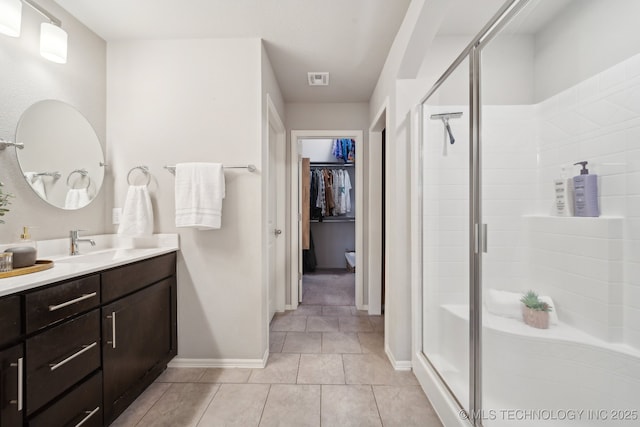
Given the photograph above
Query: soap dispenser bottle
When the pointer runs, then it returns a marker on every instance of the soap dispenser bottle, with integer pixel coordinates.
(25, 238)
(563, 201)
(585, 190)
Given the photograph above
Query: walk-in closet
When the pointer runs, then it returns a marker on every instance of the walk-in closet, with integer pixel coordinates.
(328, 178)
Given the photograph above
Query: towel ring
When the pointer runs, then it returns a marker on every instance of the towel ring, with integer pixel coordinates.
(82, 172)
(144, 169)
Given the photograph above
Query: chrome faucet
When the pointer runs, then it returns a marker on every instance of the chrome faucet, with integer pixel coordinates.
(75, 239)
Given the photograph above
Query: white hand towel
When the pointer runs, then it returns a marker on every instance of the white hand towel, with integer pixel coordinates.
(200, 189)
(36, 183)
(77, 198)
(137, 214)
(504, 303)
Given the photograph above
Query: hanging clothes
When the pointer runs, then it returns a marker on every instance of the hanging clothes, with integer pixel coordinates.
(337, 149)
(346, 194)
(330, 193)
(309, 260)
(344, 149)
(321, 199)
(328, 185)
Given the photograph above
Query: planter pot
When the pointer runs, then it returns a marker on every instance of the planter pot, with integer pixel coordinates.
(535, 318)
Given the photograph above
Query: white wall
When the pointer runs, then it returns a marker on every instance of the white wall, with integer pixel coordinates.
(584, 39)
(28, 78)
(507, 69)
(398, 237)
(175, 101)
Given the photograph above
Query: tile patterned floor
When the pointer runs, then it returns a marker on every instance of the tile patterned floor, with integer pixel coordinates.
(327, 367)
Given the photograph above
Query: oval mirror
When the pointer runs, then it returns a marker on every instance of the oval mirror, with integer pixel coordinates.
(62, 158)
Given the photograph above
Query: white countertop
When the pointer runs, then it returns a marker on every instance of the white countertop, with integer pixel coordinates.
(110, 251)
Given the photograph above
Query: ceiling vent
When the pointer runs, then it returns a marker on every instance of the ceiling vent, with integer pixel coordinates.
(318, 79)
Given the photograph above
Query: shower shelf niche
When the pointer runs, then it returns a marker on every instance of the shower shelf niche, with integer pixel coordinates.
(579, 263)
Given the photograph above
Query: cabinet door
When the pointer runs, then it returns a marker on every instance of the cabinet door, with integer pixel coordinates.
(11, 382)
(10, 326)
(137, 336)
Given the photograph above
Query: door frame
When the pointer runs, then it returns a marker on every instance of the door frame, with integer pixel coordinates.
(375, 251)
(295, 214)
(274, 120)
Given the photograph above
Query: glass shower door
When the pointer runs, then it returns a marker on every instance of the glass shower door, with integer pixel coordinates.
(554, 94)
(445, 230)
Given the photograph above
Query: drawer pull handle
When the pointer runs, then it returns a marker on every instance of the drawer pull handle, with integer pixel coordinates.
(89, 415)
(113, 329)
(18, 402)
(73, 301)
(85, 348)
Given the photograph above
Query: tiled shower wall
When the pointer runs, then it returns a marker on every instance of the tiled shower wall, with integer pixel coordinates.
(598, 120)
(591, 267)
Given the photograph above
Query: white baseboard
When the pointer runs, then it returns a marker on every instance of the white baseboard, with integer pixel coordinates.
(398, 365)
(180, 362)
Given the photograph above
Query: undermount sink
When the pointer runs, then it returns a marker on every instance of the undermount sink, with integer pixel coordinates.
(100, 256)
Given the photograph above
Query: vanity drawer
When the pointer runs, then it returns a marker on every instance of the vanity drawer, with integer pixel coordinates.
(60, 357)
(10, 325)
(59, 302)
(129, 278)
(81, 406)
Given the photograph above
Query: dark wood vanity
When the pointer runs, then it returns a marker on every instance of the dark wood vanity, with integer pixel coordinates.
(80, 351)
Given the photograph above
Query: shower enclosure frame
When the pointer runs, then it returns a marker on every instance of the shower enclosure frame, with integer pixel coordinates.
(477, 230)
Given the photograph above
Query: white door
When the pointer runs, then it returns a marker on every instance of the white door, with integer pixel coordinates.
(300, 259)
(274, 232)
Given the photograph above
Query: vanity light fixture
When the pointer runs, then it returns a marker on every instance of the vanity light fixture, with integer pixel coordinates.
(53, 43)
(10, 17)
(53, 39)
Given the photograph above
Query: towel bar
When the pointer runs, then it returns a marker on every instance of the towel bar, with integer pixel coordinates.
(251, 168)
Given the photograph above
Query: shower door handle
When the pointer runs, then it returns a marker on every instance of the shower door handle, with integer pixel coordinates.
(483, 238)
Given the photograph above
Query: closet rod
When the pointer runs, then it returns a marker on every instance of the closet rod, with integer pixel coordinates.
(325, 165)
(334, 220)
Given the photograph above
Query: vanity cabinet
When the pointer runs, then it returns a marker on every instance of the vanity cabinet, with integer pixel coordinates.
(11, 362)
(78, 352)
(137, 344)
(139, 329)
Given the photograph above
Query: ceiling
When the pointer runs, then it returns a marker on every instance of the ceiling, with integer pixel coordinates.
(348, 38)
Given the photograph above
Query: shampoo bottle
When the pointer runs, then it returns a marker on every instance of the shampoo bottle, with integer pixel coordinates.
(563, 201)
(585, 189)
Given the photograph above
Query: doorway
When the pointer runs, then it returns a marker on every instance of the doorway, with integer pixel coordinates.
(296, 196)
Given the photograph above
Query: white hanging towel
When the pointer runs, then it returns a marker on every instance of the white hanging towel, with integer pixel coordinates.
(200, 189)
(77, 198)
(36, 183)
(137, 214)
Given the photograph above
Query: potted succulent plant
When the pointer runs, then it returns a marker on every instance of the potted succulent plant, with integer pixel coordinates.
(4, 201)
(534, 311)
